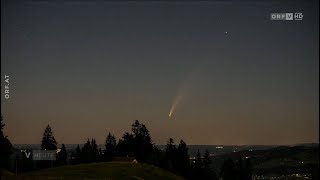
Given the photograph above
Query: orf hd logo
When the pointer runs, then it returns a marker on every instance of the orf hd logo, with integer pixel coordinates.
(298, 16)
(286, 16)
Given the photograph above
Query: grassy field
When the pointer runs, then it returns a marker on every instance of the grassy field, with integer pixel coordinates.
(101, 171)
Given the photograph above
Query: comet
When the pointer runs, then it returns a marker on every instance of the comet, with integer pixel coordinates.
(185, 88)
(181, 93)
(175, 102)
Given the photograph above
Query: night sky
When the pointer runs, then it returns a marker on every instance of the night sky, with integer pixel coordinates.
(92, 68)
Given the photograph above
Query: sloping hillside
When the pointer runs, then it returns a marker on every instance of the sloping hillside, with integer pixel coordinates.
(105, 170)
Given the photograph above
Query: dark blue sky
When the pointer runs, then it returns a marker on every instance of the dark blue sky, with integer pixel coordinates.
(88, 68)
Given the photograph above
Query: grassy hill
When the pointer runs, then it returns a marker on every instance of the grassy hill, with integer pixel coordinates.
(104, 170)
(4, 172)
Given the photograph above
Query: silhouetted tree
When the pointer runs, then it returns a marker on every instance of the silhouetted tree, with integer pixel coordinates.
(198, 161)
(315, 172)
(5, 147)
(110, 146)
(244, 169)
(206, 160)
(171, 155)
(76, 155)
(248, 169)
(158, 158)
(125, 146)
(62, 155)
(101, 155)
(182, 156)
(85, 152)
(197, 167)
(78, 152)
(143, 146)
(95, 151)
(208, 172)
(228, 171)
(48, 141)
(89, 152)
(137, 144)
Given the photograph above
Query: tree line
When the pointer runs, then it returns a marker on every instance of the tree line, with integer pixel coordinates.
(137, 144)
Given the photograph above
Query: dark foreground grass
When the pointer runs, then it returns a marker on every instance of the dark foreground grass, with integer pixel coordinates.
(99, 171)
